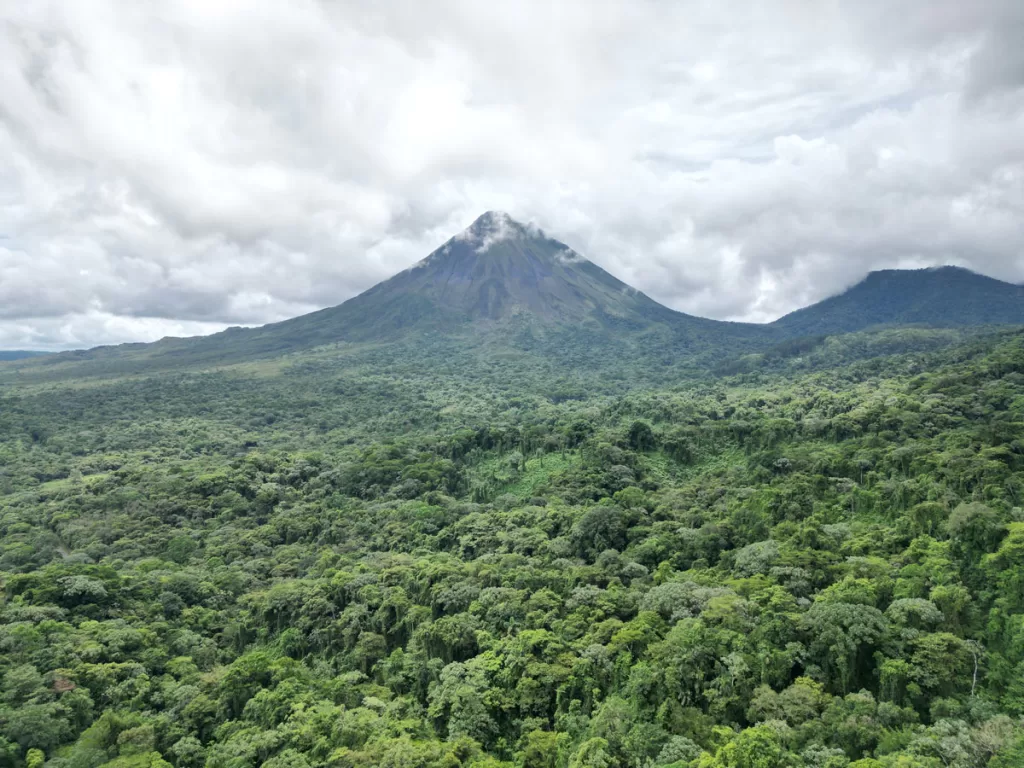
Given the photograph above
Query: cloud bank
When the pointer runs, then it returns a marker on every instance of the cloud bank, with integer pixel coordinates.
(172, 169)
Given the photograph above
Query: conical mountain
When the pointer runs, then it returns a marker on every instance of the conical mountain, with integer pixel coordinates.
(498, 268)
(495, 270)
(496, 273)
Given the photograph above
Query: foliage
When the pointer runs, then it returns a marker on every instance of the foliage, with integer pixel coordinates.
(346, 558)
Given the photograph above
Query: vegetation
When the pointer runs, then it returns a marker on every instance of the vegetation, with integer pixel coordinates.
(453, 554)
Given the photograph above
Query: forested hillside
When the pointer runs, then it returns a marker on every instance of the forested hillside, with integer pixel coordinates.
(814, 559)
(941, 297)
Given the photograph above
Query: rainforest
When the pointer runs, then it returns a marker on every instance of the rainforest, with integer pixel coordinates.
(816, 561)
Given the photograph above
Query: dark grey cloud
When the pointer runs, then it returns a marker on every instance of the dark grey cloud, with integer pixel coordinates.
(173, 169)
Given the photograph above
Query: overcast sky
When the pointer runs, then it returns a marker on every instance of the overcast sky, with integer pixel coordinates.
(173, 168)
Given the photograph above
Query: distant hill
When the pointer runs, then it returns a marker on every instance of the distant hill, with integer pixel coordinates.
(943, 297)
(19, 354)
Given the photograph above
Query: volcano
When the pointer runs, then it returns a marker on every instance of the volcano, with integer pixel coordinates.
(496, 275)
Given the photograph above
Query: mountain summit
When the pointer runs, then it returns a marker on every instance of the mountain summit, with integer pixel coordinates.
(498, 268)
(496, 271)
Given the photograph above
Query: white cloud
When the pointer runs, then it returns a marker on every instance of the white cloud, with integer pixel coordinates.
(569, 256)
(179, 168)
(491, 228)
(94, 328)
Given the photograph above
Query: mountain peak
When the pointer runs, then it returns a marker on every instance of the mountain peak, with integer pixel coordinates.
(498, 268)
(495, 227)
(489, 219)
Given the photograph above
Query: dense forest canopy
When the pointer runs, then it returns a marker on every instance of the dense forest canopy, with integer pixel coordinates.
(812, 558)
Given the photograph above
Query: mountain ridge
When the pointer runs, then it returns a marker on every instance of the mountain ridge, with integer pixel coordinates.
(942, 297)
